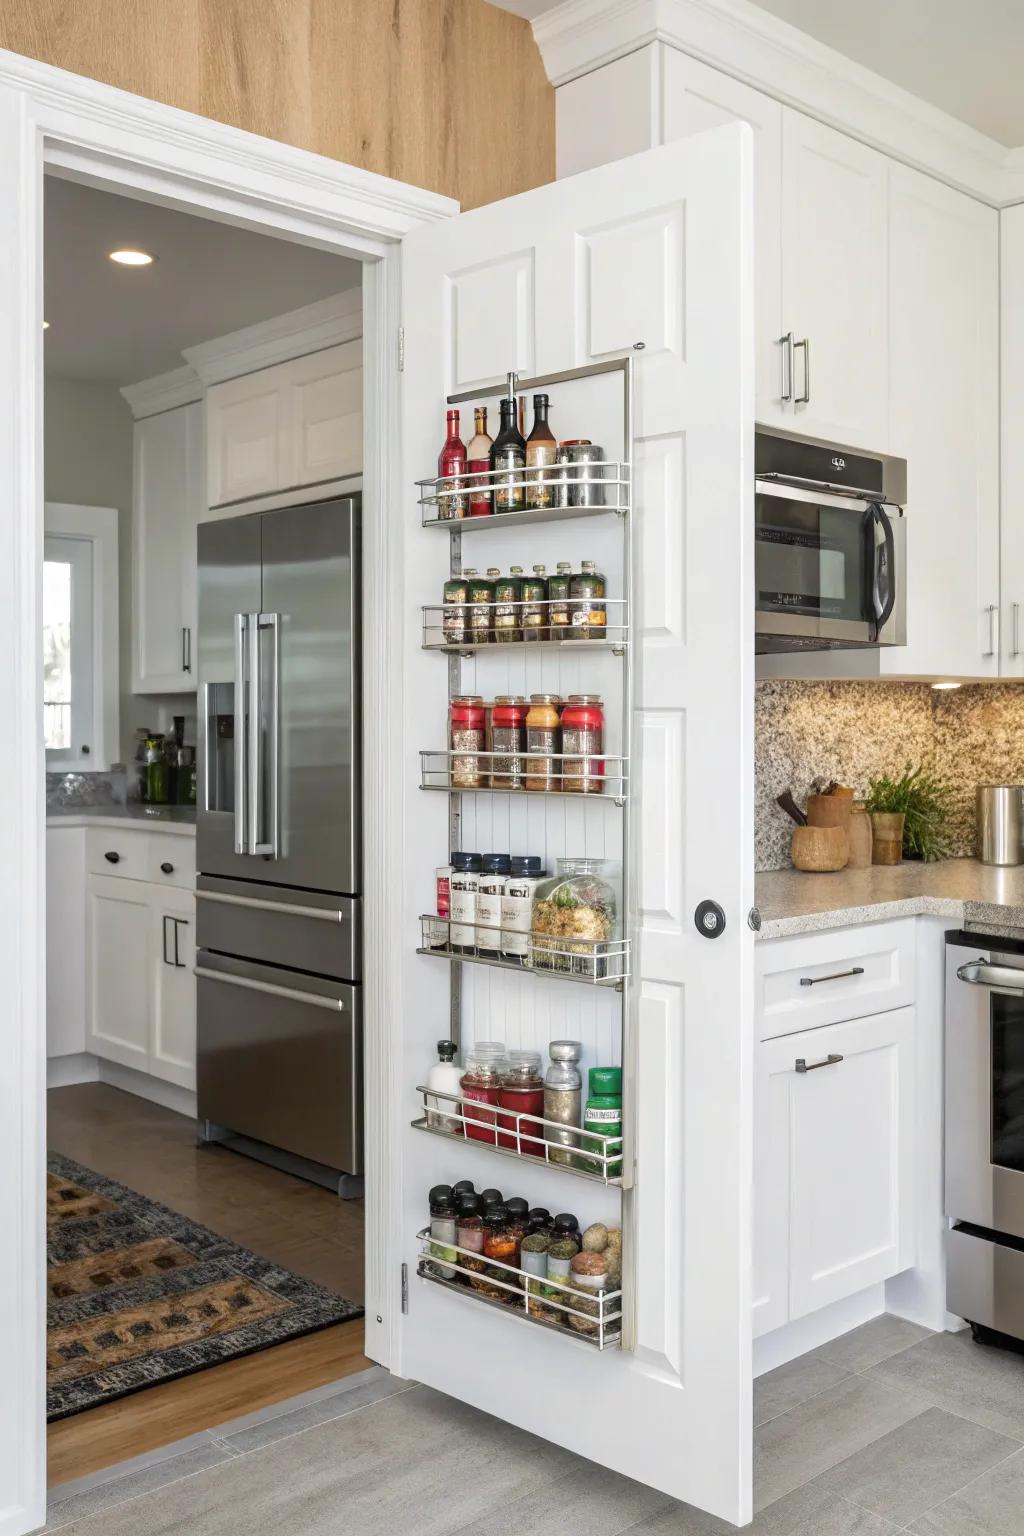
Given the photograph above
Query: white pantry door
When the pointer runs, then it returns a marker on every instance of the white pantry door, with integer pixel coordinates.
(654, 250)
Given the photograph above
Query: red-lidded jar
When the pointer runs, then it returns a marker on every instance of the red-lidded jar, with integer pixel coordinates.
(486, 1064)
(467, 723)
(583, 732)
(508, 737)
(522, 1089)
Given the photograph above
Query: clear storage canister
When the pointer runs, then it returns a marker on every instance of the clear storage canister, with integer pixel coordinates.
(466, 739)
(486, 1064)
(542, 740)
(583, 732)
(508, 741)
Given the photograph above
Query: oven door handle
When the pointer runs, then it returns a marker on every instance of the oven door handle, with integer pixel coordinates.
(999, 978)
(881, 593)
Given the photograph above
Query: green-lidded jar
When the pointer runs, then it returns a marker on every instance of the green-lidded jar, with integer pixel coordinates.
(603, 1111)
(508, 591)
(559, 623)
(480, 591)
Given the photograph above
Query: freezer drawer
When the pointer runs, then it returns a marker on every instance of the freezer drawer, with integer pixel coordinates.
(279, 1058)
(302, 930)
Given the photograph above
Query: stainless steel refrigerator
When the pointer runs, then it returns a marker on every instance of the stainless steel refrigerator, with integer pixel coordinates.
(277, 845)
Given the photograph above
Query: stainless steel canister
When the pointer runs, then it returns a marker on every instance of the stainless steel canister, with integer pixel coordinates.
(1000, 823)
(578, 461)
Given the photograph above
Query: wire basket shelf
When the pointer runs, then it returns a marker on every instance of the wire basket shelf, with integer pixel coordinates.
(461, 629)
(514, 1133)
(514, 773)
(550, 494)
(563, 958)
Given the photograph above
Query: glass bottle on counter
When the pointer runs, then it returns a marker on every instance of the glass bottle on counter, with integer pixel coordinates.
(495, 869)
(563, 1099)
(445, 1077)
(533, 615)
(517, 905)
(522, 1090)
(463, 884)
(466, 740)
(541, 452)
(508, 737)
(559, 625)
(478, 463)
(442, 1229)
(508, 457)
(542, 739)
(451, 472)
(455, 613)
(588, 613)
(481, 605)
(583, 732)
(157, 774)
(508, 593)
(481, 1082)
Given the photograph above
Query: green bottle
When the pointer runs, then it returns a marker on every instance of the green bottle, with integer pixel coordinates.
(603, 1111)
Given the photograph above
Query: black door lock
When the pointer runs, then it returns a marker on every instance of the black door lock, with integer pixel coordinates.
(709, 919)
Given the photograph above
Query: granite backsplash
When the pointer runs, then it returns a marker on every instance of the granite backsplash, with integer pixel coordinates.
(86, 789)
(853, 732)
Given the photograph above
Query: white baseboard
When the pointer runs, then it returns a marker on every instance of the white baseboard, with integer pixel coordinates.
(79, 1067)
(793, 1339)
(169, 1095)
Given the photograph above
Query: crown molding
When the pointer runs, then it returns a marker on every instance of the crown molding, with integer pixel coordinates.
(165, 392)
(749, 43)
(327, 323)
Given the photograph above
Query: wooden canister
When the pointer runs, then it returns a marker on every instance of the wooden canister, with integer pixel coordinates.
(819, 850)
(829, 810)
(887, 837)
(861, 837)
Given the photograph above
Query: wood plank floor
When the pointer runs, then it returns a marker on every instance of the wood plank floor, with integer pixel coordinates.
(296, 1224)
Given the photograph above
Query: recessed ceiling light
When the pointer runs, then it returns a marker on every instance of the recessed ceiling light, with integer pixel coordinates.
(944, 687)
(132, 258)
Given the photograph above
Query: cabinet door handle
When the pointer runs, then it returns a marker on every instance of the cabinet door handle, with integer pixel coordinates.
(166, 920)
(800, 1065)
(1015, 635)
(112, 858)
(186, 649)
(812, 981)
(179, 922)
(804, 399)
(992, 609)
(168, 869)
(786, 343)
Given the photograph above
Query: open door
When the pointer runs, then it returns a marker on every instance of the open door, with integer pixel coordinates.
(649, 259)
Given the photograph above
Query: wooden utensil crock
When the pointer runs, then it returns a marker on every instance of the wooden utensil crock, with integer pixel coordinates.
(820, 850)
(829, 810)
(887, 832)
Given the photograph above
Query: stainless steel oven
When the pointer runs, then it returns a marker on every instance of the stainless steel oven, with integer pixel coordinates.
(829, 545)
(984, 1138)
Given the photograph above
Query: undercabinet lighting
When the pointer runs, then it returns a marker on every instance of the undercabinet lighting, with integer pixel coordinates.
(944, 687)
(131, 258)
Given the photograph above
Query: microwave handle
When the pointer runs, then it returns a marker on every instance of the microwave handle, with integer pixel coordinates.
(881, 583)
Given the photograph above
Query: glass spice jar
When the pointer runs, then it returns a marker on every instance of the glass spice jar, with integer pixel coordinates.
(495, 869)
(481, 605)
(501, 1242)
(508, 741)
(534, 611)
(588, 614)
(563, 1099)
(466, 738)
(517, 905)
(542, 739)
(559, 626)
(533, 1260)
(463, 884)
(522, 1090)
(455, 613)
(508, 592)
(574, 918)
(481, 1082)
(442, 1229)
(583, 732)
(469, 1230)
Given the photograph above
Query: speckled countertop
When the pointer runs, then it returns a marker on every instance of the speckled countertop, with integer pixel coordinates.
(168, 818)
(971, 894)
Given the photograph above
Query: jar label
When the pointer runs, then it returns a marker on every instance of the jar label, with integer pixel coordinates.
(603, 1117)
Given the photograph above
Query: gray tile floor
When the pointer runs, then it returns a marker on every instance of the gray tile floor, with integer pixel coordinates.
(887, 1429)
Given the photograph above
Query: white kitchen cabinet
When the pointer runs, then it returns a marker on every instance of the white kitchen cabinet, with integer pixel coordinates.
(168, 497)
(1011, 598)
(65, 940)
(299, 423)
(172, 1054)
(834, 1167)
(834, 288)
(119, 970)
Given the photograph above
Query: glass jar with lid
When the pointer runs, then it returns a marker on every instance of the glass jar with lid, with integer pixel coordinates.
(542, 740)
(486, 1064)
(522, 1090)
(467, 721)
(583, 733)
(558, 602)
(563, 1099)
(508, 592)
(588, 613)
(508, 738)
(575, 915)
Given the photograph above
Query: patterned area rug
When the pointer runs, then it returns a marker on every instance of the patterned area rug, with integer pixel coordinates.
(139, 1295)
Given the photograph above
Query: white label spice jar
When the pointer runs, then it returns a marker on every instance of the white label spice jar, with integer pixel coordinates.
(517, 905)
(465, 879)
(495, 869)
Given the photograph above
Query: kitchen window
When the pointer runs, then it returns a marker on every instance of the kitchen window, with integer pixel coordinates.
(79, 637)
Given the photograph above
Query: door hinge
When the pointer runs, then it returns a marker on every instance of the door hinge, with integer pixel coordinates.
(405, 1289)
(401, 349)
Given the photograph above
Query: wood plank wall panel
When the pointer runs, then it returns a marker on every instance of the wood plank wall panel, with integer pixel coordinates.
(446, 94)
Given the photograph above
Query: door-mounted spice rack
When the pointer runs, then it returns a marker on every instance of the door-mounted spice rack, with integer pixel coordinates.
(603, 963)
(594, 1319)
(591, 490)
(516, 1133)
(473, 629)
(500, 773)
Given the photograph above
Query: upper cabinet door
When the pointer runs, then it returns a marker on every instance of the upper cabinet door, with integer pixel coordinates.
(649, 257)
(1012, 427)
(944, 414)
(695, 98)
(834, 289)
(325, 410)
(248, 447)
(168, 498)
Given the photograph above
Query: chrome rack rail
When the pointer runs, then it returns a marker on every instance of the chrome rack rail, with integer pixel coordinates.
(510, 773)
(461, 629)
(561, 957)
(560, 491)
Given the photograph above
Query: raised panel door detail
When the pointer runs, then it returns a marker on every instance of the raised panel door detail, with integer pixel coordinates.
(647, 310)
(118, 948)
(247, 438)
(172, 937)
(167, 501)
(326, 392)
(771, 1193)
(1011, 308)
(834, 283)
(491, 320)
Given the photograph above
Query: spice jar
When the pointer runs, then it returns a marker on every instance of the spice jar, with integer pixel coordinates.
(563, 1099)
(533, 613)
(466, 737)
(588, 614)
(508, 741)
(469, 1230)
(518, 1208)
(539, 1219)
(442, 1229)
(558, 602)
(522, 1090)
(439, 932)
(481, 1082)
(478, 1269)
(501, 1242)
(517, 905)
(565, 1225)
(463, 885)
(455, 614)
(481, 605)
(574, 918)
(603, 1112)
(561, 1253)
(583, 732)
(588, 1273)
(542, 739)
(508, 593)
(580, 473)
(533, 1260)
(491, 1197)
(495, 869)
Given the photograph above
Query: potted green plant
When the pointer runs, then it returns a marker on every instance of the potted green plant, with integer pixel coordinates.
(908, 816)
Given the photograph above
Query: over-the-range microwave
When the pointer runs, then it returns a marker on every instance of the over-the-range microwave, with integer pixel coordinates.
(829, 545)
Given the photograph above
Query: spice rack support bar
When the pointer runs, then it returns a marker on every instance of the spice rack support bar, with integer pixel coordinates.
(485, 1125)
(599, 962)
(475, 772)
(599, 1325)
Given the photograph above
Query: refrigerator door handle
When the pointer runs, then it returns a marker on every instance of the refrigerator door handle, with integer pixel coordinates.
(271, 847)
(253, 738)
(241, 787)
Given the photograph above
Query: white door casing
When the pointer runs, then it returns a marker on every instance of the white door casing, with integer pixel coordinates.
(657, 249)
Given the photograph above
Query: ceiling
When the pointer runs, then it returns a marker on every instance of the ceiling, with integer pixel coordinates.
(963, 56)
(123, 324)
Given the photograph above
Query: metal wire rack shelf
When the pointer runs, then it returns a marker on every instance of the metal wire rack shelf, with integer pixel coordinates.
(602, 963)
(462, 629)
(510, 773)
(513, 1133)
(565, 491)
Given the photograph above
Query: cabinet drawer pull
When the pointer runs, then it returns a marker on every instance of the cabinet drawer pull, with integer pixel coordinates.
(168, 869)
(786, 343)
(812, 981)
(112, 858)
(805, 398)
(800, 1065)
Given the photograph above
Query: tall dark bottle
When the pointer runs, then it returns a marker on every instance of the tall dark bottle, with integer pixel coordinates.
(508, 457)
(541, 450)
(451, 472)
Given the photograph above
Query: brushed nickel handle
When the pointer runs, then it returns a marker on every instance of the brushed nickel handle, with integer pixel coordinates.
(831, 1060)
(812, 981)
(326, 914)
(804, 399)
(992, 609)
(1015, 639)
(1001, 978)
(786, 343)
(335, 1004)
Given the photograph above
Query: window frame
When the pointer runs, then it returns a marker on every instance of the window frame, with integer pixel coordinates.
(97, 526)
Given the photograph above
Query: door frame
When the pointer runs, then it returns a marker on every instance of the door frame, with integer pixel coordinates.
(104, 137)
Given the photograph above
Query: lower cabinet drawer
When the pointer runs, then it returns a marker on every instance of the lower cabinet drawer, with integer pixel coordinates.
(123, 854)
(171, 860)
(822, 978)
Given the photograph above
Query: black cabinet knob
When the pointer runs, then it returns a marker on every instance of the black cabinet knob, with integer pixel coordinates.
(168, 869)
(112, 858)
